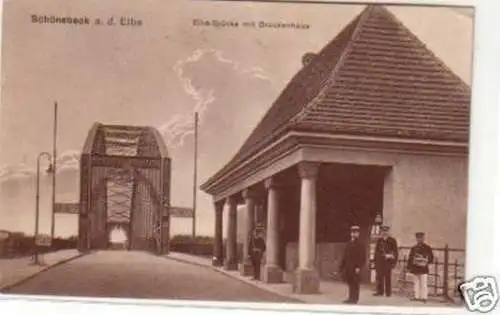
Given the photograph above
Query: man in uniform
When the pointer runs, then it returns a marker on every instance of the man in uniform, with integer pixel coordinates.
(354, 259)
(157, 237)
(257, 248)
(418, 264)
(386, 257)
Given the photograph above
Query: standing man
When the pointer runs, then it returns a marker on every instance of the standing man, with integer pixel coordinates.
(386, 257)
(257, 248)
(157, 237)
(354, 259)
(418, 264)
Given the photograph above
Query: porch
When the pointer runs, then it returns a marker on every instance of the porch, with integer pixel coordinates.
(306, 211)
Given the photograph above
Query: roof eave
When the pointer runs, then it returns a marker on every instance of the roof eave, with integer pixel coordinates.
(302, 139)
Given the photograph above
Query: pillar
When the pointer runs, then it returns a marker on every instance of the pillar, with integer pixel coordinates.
(218, 246)
(231, 262)
(388, 203)
(306, 280)
(245, 267)
(272, 270)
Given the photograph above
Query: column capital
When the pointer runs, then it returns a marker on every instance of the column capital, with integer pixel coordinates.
(219, 206)
(232, 201)
(270, 182)
(308, 169)
(249, 193)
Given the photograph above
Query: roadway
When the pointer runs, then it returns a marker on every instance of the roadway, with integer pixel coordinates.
(124, 274)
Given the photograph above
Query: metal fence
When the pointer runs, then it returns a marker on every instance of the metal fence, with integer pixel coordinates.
(445, 273)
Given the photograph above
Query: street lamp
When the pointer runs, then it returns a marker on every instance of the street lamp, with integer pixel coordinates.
(195, 172)
(50, 170)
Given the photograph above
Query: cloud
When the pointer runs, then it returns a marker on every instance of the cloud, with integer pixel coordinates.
(15, 172)
(180, 126)
(68, 160)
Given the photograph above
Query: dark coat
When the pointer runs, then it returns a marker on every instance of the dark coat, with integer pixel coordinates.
(257, 246)
(420, 250)
(383, 247)
(354, 257)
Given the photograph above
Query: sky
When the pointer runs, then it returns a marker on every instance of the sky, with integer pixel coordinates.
(158, 74)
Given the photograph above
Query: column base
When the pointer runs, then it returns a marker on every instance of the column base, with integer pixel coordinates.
(272, 274)
(246, 269)
(230, 265)
(306, 281)
(84, 250)
(216, 262)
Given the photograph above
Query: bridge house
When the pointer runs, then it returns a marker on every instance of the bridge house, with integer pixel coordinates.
(373, 123)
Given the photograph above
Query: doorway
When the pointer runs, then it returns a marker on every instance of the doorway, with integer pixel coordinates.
(347, 194)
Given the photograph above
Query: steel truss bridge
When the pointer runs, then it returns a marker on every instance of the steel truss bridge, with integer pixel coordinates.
(124, 183)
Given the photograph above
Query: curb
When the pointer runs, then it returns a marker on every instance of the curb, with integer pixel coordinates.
(6, 288)
(236, 278)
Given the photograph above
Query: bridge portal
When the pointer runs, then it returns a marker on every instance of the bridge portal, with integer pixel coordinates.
(124, 183)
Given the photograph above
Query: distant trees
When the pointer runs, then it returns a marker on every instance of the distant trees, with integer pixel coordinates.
(18, 244)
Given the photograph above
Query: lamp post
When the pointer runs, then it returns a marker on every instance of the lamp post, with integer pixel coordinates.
(53, 168)
(37, 209)
(195, 172)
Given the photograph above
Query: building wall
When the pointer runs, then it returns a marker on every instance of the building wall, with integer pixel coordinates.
(430, 195)
(241, 223)
(328, 259)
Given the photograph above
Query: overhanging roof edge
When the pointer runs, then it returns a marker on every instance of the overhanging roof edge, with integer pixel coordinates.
(210, 185)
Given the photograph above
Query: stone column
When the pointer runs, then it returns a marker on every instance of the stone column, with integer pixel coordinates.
(272, 270)
(231, 262)
(218, 246)
(306, 280)
(388, 208)
(246, 265)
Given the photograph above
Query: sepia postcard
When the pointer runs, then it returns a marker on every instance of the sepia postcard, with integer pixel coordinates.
(235, 151)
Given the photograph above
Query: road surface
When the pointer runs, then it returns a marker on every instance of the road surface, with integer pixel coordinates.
(127, 274)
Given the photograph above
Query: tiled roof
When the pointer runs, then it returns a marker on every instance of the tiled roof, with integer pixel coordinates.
(375, 78)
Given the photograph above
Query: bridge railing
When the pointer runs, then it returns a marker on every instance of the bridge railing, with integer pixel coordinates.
(199, 246)
(445, 273)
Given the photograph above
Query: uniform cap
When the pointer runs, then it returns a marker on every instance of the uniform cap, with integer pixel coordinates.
(419, 234)
(355, 228)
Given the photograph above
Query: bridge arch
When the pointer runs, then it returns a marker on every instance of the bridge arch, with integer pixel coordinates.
(124, 182)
